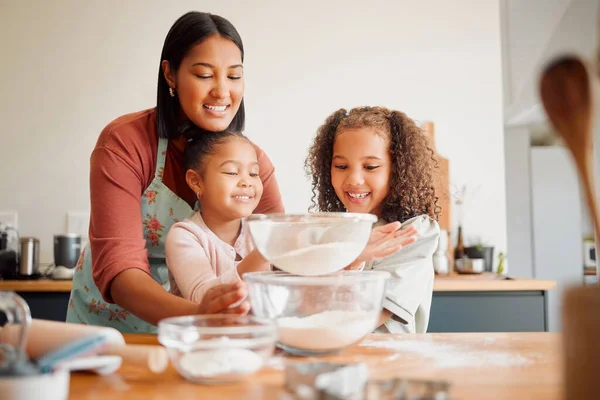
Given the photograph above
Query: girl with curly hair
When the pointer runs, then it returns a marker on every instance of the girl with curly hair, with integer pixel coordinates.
(375, 160)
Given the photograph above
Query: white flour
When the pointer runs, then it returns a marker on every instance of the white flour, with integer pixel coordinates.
(221, 363)
(326, 330)
(450, 356)
(317, 259)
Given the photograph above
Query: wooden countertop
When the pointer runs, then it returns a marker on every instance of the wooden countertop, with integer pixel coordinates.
(478, 366)
(488, 282)
(450, 283)
(443, 283)
(36, 285)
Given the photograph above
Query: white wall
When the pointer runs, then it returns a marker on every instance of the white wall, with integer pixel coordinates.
(69, 67)
(536, 31)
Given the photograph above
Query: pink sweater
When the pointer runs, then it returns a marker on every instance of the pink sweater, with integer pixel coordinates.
(198, 260)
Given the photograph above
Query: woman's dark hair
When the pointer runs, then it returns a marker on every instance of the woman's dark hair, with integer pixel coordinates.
(411, 185)
(200, 146)
(189, 30)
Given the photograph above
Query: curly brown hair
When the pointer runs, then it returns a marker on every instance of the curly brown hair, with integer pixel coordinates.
(411, 186)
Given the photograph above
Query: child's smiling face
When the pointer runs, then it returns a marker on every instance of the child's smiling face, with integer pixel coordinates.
(360, 169)
(230, 184)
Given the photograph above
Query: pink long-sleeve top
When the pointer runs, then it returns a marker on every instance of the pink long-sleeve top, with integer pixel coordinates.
(198, 260)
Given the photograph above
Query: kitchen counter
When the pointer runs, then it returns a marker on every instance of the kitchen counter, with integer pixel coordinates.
(461, 303)
(488, 282)
(491, 366)
(47, 298)
(443, 283)
(487, 303)
(37, 285)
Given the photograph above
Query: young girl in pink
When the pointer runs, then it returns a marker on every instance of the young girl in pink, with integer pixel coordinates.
(375, 160)
(214, 246)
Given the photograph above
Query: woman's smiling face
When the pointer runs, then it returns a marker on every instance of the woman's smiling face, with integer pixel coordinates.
(210, 83)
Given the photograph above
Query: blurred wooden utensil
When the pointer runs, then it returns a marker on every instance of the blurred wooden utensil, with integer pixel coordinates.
(567, 97)
(566, 93)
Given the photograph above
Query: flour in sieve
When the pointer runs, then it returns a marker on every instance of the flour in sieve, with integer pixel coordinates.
(326, 330)
(318, 259)
(221, 363)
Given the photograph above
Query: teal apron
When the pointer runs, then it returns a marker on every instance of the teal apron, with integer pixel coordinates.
(161, 208)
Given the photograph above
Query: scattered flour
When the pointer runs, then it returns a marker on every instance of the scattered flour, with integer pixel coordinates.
(276, 362)
(317, 259)
(489, 340)
(451, 356)
(325, 330)
(221, 363)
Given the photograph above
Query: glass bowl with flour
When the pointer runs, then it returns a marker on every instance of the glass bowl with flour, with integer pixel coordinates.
(318, 315)
(311, 244)
(213, 349)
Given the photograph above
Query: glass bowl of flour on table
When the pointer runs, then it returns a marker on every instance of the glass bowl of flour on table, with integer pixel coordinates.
(318, 315)
(311, 244)
(213, 349)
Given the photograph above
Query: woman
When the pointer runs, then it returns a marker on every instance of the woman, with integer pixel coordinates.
(138, 188)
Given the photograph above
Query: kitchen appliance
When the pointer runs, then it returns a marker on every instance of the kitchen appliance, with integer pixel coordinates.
(589, 254)
(3, 240)
(469, 266)
(29, 257)
(67, 248)
(9, 252)
(8, 264)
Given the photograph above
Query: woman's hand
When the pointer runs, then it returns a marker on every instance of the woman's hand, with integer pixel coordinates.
(384, 241)
(229, 298)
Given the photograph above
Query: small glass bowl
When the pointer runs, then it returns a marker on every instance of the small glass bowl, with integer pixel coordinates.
(213, 349)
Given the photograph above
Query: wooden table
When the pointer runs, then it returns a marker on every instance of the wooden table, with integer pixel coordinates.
(479, 366)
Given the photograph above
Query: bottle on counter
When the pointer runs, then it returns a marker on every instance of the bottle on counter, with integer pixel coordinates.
(501, 270)
(440, 257)
(459, 250)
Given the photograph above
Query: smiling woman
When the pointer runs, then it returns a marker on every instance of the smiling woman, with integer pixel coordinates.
(138, 185)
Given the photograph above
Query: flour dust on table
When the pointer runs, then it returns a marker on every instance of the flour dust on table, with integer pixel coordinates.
(449, 355)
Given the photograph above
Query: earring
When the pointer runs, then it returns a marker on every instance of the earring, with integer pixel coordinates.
(171, 92)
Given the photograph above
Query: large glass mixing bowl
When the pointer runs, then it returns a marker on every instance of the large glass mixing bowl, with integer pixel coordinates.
(318, 315)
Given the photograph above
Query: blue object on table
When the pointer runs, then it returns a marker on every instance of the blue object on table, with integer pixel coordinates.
(69, 351)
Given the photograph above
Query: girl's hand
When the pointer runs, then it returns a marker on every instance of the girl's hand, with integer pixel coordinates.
(227, 298)
(384, 241)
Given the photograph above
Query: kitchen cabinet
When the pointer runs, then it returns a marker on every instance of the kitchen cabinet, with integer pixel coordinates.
(487, 303)
(47, 299)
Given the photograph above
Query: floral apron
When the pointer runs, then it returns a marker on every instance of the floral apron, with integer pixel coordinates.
(161, 208)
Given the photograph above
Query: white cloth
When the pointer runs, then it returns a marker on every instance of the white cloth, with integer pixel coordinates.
(410, 288)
